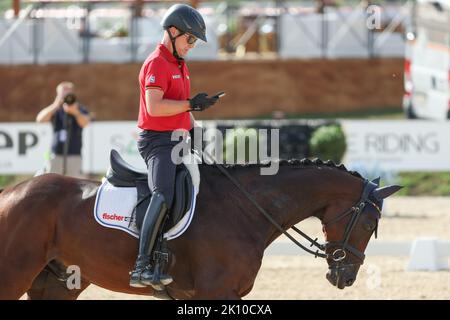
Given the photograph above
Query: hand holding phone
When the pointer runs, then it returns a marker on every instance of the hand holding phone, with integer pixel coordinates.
(202, 102)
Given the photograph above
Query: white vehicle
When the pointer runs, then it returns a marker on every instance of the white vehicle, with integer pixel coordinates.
(427, 61)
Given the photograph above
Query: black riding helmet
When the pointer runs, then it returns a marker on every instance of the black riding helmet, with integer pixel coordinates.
(186, 19)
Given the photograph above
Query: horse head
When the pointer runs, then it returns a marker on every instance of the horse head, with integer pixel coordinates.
(347, 234)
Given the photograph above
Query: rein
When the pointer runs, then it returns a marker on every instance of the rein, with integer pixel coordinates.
(337, 255)
(268, 216)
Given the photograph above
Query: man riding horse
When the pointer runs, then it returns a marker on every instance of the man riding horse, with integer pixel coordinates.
(164, 108)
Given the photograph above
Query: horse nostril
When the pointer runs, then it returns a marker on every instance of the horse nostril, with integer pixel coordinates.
(349, 282)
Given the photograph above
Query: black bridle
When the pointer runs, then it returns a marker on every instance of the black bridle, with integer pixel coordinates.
(343, 246)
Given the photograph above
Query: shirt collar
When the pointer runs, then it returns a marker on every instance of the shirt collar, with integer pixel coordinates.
(167, 54)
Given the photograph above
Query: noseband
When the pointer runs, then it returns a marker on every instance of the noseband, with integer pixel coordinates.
(343, 246)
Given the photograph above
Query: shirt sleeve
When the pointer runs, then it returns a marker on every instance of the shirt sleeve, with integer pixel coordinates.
(156, 75)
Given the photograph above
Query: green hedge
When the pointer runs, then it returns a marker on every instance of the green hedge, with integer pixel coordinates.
(328, 143)
(424, 183)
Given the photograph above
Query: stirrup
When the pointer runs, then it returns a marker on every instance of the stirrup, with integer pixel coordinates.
(161, 256)
(156, 279)
(159, 280)
(162, 259)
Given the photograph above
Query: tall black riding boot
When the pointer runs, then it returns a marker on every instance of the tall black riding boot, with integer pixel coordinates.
(142, 274)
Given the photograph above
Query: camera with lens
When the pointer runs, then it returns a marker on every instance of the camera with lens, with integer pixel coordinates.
(70, 98)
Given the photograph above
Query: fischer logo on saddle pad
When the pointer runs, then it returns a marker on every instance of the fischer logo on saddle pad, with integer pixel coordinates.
(107, 216)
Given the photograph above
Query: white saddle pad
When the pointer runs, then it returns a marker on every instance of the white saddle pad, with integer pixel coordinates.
(114, 207)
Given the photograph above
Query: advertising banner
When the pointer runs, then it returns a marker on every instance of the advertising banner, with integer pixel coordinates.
(24, 147)
(397, 145)
(372, 145)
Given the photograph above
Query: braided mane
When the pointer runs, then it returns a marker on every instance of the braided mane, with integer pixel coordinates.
(299, 162)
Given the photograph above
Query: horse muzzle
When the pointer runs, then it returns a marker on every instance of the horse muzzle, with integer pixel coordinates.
(343, 275)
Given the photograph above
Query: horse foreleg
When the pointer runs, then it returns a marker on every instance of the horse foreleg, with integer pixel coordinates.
(14, 283)
(24, 247)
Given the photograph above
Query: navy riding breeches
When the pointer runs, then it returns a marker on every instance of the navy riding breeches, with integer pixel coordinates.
(156, 149)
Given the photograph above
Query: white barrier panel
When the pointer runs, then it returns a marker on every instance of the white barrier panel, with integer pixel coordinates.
(428, 253)
(100, 137)
(398, 145)
(23, 147)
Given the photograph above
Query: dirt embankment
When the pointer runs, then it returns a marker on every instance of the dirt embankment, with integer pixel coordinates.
(254, 88)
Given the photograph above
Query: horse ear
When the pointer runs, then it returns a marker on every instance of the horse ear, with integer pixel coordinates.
(376, 181)
(383, 193)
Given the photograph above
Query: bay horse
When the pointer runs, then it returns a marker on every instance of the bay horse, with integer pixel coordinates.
(49, 219)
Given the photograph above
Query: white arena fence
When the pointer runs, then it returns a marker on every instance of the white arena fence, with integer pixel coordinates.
(98, 32)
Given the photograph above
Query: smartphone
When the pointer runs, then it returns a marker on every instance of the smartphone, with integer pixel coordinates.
(219, 95)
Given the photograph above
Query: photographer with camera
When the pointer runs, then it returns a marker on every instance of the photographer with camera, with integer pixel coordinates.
(68, 118)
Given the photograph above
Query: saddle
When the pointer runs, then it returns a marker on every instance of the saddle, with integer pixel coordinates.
(122, 174)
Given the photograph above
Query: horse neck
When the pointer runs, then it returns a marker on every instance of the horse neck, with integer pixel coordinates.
(294, 194)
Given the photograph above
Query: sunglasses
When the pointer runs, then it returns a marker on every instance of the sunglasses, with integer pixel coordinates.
(190, 38)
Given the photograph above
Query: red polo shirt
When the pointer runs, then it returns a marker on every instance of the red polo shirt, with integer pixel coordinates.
(161, 70)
